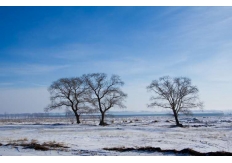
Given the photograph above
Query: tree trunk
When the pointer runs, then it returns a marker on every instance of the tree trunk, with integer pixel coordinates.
(176, 118)
(77, 117)
(102, 123)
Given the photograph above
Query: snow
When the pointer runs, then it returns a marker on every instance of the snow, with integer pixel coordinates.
(203, 134)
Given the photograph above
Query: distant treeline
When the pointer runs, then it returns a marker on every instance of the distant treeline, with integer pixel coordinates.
(71, 115)
(32, 115)
(48, 115)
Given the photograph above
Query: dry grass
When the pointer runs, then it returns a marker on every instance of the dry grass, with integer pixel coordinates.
(21, 140)
(33, 144)
(186, 151)
(54, 144)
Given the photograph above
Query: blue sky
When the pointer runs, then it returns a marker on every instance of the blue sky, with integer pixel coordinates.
(41, 44)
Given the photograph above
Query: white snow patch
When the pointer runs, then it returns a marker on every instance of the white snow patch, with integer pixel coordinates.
(203, 134)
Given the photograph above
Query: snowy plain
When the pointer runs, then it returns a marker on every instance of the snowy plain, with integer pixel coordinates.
(203, 134)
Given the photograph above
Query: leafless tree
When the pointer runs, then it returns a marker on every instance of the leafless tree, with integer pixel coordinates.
(105, 93)
(176, 94)
(70, 93)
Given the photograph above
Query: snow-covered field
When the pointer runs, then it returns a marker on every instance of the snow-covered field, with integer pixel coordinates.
(203, 134)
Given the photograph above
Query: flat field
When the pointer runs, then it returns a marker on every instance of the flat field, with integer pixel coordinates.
(58, 136)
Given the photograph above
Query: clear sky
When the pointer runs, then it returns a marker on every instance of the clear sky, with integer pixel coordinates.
(39, 45)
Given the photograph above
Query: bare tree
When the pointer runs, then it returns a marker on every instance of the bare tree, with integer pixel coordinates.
(106, 93)
(176, 94)
(70, 93)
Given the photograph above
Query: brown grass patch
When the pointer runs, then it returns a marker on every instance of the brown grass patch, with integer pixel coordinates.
(187, 151)
(51, 145)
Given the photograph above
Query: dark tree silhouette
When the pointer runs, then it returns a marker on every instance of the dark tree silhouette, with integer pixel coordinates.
(105, 93)
(68, 92)
(176, 94)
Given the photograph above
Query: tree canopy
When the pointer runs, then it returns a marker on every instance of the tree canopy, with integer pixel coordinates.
(177, 94)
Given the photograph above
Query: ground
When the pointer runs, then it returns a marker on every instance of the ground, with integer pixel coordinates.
(202, 134)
